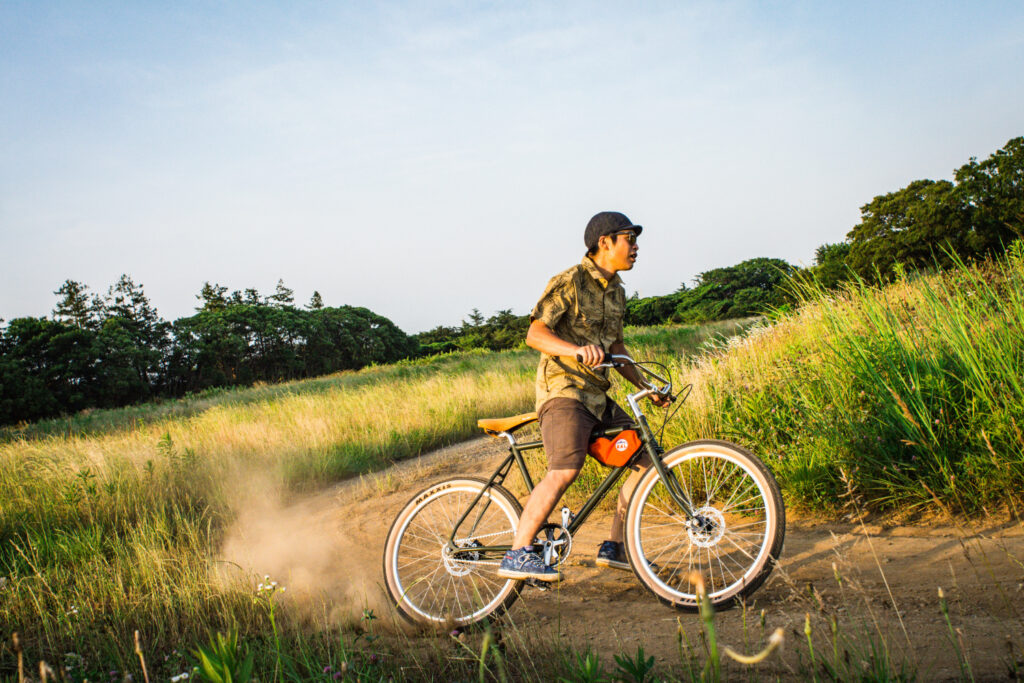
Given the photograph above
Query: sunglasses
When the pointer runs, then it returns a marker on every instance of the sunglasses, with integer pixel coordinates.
(628, 234)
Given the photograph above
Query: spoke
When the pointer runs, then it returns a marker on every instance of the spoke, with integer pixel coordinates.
(658, 509)
(735, 545)
(722, 566)
(704, 471)
(671, 545)
(716, 483)
(711, 573)
(738, 490)
(659, 526)
(413, 561)
(753, 497)
(435, 542)
(747, 510)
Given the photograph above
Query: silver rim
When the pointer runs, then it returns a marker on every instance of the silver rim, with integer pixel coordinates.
(433, 584)
(729, 550)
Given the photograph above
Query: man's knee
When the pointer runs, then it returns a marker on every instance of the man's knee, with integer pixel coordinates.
(562, 478)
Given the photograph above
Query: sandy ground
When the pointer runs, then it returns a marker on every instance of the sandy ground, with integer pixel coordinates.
(327, 548)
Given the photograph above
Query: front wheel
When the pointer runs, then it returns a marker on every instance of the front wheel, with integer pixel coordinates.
(433, 586)
(732, 543)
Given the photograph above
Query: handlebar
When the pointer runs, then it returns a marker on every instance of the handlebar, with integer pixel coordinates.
(620, 361)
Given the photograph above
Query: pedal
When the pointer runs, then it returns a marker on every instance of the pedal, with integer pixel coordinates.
(541, 585)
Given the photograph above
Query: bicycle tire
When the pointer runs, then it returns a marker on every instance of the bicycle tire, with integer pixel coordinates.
(734, 554)
(432, 589)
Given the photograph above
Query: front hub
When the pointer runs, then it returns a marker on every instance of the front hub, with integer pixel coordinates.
(707, 527)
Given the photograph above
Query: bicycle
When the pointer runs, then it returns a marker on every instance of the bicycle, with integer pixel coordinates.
(707, 506)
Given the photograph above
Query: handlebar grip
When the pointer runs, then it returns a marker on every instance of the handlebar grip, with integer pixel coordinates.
(607, 362)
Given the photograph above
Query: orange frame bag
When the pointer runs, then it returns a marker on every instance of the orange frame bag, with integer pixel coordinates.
(616, 451)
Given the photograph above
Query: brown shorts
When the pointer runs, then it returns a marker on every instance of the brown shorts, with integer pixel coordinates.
(565, 427)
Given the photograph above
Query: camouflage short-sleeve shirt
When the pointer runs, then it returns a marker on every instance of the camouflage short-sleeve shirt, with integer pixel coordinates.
(582, 308)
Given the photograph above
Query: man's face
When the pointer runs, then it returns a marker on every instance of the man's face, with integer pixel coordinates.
(621, 250)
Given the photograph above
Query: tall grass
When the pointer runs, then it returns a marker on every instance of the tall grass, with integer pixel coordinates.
(112, 521)
(907, 396)
(105, 532)
(899, 397)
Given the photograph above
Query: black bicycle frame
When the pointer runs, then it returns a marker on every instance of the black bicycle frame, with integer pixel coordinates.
(516, 449)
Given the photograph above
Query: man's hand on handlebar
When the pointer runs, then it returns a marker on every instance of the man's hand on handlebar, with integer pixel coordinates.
(591, 355)
(660, 400)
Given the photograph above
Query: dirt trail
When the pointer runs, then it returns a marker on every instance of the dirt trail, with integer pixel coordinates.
(328, 549)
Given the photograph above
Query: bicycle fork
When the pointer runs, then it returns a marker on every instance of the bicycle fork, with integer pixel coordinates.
(675, 491)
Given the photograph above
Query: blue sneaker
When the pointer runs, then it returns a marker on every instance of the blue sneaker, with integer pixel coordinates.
(612, 554)
(524, 563)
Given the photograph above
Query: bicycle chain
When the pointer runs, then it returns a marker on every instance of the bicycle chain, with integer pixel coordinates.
(473, 538)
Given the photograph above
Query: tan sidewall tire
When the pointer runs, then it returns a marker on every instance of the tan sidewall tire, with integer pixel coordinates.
(502, 600)
(771, 545)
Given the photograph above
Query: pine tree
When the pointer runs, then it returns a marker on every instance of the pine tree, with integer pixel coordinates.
(125, 299)
(213, 297)
(476, 319)
(73, 307)
(282, 296)
(316, 302)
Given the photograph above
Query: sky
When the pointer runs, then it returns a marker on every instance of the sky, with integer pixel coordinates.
(423, 159)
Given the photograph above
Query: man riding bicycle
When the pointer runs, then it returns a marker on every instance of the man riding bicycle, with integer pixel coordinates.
(577, 321)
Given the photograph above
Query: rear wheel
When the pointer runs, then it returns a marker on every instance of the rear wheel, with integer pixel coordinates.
(733, 542)
(430, 584)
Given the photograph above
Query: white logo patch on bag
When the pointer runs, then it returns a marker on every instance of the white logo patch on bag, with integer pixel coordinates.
(621, 445)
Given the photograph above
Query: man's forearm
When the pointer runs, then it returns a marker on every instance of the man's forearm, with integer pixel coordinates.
(540, 338)
(627, 371)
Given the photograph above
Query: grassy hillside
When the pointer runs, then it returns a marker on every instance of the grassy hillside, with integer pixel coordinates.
(899, 397)
(112, 520)
(896, 398)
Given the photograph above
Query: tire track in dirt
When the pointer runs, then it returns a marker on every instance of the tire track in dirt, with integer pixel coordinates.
(327, 547)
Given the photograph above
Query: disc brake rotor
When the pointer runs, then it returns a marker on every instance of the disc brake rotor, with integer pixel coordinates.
(707, 528)
(461, 565)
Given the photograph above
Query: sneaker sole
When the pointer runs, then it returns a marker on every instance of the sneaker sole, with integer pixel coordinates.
(512, 574)
(613, 564)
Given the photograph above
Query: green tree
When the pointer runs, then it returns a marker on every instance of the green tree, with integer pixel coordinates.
(912, 226)
(922, 223)
(316, 302)
(135, 339)
(282, 296)
(213, 297)
(993, 193)
(47, 368)
(830, 264)
(748, 288)
(74, 307)
(476, 319)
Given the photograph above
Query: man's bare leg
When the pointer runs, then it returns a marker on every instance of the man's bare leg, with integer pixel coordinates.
(541, 502)
(619, 519)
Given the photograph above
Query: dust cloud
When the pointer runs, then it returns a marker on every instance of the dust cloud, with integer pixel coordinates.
(326, 547)
(314, 547)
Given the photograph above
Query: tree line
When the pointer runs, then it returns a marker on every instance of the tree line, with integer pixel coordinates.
(112, 350)
(104, 351)
(919, 226)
